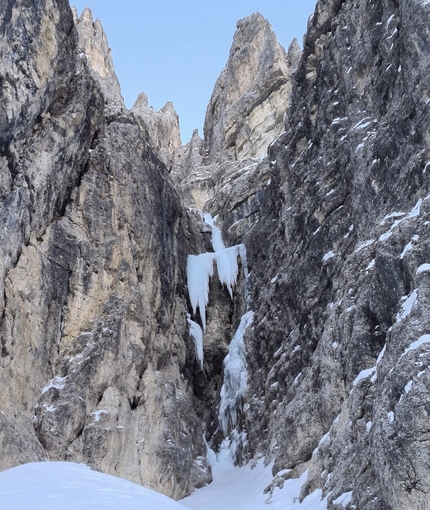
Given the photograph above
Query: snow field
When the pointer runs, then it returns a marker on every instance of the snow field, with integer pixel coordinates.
(68, 486)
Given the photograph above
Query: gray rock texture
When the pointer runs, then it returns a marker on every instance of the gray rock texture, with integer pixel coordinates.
(227, 172)
(339, 264)
(247, 107)
(94, 45)
(162, 126)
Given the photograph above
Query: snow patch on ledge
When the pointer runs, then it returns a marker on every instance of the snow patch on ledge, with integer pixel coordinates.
(407, 306)
(57, 383)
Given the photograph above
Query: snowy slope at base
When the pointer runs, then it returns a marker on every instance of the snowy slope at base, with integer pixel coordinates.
(68, 486)
(242, 488)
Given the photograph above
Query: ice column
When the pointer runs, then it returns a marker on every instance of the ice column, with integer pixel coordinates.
(200, 269)
(235, 376)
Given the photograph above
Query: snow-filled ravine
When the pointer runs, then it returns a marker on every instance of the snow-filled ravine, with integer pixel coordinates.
(242, 488)
(66, 486)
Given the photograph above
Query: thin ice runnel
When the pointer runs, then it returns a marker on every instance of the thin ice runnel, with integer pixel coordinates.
(235, 377)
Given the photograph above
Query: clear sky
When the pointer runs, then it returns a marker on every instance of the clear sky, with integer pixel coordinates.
(174, 50)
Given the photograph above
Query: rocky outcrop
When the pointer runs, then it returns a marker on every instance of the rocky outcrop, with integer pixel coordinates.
(162, 126)
(227, 172)
(247, 108)
(94, 45)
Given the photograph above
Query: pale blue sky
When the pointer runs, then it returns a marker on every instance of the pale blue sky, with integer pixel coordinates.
(174, 50)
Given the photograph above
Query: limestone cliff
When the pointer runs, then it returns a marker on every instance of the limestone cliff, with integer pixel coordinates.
(96, 361)
(247, 108)
(94, 45)
(227, 171)
(162, 125)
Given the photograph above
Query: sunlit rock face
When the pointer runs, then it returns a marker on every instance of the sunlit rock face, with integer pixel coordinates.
(226, 173)
(94, 45)
(97, 365)
(162, 126)
(248, 104)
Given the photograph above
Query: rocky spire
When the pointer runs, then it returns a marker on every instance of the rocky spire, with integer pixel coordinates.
(162, 126)
(247, 108)
(94, 44)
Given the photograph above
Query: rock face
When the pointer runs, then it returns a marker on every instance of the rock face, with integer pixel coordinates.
(94, 44)
(227, 172)
(247, 108)
(97, 362)
(339, 281)
(162, 125)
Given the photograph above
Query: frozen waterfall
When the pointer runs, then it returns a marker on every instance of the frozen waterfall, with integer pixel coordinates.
(200, 268)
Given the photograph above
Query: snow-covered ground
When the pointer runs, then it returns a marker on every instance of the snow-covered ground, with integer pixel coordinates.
(242, 488)
(68, 486)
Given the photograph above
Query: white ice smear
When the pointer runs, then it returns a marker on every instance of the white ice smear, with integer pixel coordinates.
(363, 245)
(407, 306)
(371, 265)
(97, 414)
(57, 383)
(197, 334)
(329, 255)
(408, 387)
(423, 268)
(343, 499)
(381, 355)
(424, 339)
(68, 486)
(407, 248)
(364, 374)
(235, 376)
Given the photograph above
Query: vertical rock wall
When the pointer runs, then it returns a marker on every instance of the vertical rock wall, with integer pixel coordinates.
(339, 276)
(96, 362)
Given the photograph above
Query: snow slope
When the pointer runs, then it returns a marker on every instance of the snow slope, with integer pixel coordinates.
(241, 488)
(68, 486)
